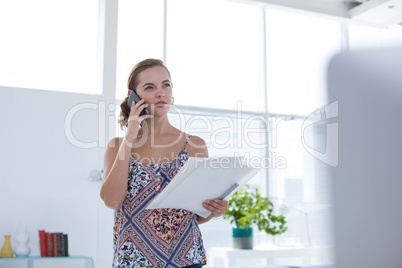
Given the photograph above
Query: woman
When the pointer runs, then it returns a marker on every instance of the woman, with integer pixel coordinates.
(139, 166)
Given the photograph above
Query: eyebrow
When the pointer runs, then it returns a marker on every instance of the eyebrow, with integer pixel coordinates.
(151, 84)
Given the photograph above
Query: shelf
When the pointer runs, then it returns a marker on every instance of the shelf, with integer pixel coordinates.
(32, 262)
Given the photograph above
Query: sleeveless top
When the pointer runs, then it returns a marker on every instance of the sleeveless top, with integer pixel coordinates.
(155, 237)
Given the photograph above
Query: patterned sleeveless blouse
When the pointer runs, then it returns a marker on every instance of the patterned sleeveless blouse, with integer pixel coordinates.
(155, 237)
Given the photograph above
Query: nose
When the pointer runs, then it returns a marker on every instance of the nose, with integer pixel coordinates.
(160, 92)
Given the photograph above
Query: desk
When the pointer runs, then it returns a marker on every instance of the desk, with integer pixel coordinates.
(228, 257)
(36, 262)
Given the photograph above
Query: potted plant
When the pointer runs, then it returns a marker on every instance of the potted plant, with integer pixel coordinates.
(247, 207)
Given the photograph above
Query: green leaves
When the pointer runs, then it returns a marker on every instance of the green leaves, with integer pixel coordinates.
(247, 207)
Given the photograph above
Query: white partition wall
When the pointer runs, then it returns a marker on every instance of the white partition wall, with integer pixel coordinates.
(50, 142)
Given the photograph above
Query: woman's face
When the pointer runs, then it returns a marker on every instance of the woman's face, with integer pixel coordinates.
(155, 88)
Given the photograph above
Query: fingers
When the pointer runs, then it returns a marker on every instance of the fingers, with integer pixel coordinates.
(138, 119)
(136, 111)
(138, 107)
(217, 207)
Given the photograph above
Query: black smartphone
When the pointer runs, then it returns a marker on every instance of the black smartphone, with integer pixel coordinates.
(134, 97)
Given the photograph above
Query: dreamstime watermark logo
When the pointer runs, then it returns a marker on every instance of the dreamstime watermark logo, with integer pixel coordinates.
(323, 115)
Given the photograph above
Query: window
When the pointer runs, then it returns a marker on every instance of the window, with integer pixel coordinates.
(213, 52)
(299, 48)
(140, 36)
(302, 183)
(49, 45)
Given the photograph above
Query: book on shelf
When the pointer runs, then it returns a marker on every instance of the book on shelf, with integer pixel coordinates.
(53, 244)
(42, 241)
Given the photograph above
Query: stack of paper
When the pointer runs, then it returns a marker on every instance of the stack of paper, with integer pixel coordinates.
(203, 179)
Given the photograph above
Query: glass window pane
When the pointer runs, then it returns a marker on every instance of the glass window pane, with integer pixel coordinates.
(302, 183)
(299, 48)
(363, 37)
(213, 52)
(50, 45)
(139, 36)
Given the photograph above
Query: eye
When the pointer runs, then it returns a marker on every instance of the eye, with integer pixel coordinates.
(148, 88)
(166, 85)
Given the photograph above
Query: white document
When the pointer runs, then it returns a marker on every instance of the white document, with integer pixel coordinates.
(203, 179)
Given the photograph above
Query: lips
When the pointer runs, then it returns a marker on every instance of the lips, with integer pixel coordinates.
(160, 103)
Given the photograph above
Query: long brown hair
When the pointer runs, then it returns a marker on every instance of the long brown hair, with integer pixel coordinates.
(132, 84)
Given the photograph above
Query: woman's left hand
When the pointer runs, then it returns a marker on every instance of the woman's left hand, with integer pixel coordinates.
(217, 206)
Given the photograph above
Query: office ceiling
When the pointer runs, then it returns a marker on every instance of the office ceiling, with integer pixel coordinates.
(378, 13)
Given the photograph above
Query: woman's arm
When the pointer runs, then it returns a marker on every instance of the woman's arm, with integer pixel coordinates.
(115, 172)
(198, 148)
(117, 160)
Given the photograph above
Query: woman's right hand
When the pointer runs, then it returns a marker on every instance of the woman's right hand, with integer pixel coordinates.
(134, 120)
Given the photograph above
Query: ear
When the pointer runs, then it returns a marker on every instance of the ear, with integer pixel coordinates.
(128, 93)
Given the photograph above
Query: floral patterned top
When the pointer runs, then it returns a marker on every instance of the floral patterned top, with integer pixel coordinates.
(155, 237)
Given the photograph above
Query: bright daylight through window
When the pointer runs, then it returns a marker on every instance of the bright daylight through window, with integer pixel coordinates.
(46, 49)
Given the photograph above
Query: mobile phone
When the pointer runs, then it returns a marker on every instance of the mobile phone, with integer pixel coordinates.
(134, 98)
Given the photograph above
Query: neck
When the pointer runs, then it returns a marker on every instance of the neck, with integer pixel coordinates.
(157, 126)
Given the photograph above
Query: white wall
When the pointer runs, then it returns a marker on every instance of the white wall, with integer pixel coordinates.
(44, 177)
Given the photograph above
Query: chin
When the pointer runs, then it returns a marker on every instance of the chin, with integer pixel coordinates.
(160, 113)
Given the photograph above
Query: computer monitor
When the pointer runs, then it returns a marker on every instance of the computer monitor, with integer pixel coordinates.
(367, 183)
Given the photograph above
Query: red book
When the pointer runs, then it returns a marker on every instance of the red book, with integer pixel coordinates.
(49, 245)
(42, 241)
(55, 239)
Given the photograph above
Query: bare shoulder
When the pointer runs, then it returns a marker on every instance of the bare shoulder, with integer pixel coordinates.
(197, 147)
